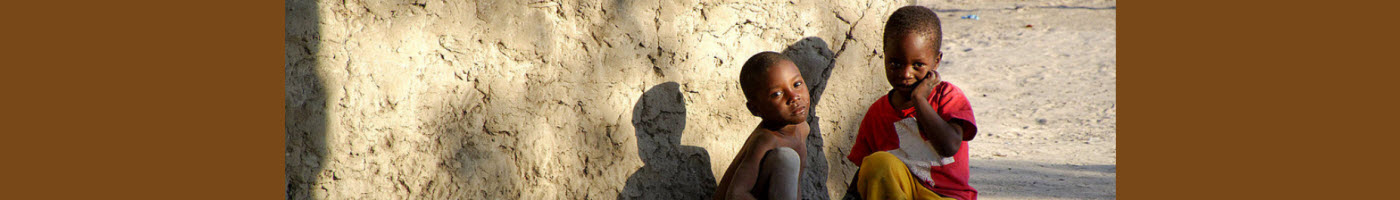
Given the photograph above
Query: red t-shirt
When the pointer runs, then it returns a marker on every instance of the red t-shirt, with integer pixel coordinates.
(877, 133)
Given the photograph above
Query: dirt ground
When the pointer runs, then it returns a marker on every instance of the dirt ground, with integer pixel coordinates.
(415, 99)
(1047, 97)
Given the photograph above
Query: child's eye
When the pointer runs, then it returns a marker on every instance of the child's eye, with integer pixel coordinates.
(799, 83)
(777, 94)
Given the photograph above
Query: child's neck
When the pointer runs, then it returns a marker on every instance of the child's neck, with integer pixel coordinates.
(779, 127)
(899, 100)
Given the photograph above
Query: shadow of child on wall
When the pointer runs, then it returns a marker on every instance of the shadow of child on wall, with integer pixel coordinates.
(670, 170)
(305, 103)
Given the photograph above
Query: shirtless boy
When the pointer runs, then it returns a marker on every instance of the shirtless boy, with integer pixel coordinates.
(769, 164)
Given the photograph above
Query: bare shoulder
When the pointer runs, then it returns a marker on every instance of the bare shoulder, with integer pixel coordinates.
(761, 140)
(796, 141)
(803, 130)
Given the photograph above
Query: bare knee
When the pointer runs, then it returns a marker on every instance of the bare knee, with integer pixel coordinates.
(783, 165)
(782, 159)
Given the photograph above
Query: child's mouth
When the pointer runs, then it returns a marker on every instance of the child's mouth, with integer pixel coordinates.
(800, 110)
(904, 87)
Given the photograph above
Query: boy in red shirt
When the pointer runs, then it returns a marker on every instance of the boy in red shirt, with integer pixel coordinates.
(912, 143)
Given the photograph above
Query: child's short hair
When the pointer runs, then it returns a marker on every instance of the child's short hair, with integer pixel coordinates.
(915, 20)
(752, 74)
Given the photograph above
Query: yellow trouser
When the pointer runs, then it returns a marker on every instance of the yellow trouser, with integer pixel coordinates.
(883, 176)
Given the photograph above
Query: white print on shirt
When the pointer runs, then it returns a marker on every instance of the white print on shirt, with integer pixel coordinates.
(916, 152)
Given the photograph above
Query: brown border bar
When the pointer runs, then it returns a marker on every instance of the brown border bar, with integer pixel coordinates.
(150, 100)
(1256, 100)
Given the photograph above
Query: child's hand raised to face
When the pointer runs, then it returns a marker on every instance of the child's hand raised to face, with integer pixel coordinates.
(925, 87)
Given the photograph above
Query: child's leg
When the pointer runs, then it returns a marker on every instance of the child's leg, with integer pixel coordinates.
(781, 167)
(883, 176)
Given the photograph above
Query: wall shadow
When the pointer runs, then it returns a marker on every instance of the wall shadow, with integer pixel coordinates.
(816, 61)
(670, 170)
(305, 100)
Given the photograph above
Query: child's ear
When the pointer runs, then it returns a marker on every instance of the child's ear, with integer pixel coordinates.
(937, 60)
(753, 110)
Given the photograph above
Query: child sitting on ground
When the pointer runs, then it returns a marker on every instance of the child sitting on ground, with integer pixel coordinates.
(769, 164)
(912, 143)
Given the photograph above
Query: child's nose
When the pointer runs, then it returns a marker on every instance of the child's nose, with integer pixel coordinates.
(908, 72)
(793, 95)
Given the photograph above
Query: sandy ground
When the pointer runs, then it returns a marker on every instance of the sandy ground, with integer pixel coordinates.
(419, 99)
(1047, 96)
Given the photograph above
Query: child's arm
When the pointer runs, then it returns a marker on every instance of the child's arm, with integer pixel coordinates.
(745, 175)
(945, 137)
(803, 130)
